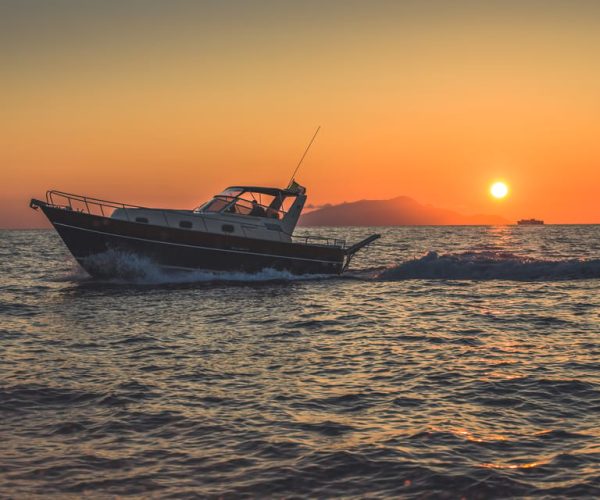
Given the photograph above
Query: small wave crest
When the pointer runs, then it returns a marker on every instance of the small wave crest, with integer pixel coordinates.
(120, 267)
(489, 265)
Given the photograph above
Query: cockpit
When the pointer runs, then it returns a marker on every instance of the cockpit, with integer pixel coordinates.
(270, 203)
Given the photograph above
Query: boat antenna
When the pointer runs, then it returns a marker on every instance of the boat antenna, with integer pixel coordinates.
(305, 151)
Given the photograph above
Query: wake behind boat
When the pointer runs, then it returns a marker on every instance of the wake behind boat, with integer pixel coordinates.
(244, 228)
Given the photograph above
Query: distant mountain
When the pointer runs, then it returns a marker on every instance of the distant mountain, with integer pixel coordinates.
(400, 211)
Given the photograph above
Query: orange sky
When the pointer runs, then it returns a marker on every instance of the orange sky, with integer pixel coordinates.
(166, 103)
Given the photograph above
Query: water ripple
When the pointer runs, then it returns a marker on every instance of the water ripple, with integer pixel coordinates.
(469, 373)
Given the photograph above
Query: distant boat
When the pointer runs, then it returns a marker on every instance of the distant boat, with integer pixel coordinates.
(245, 228)
(530, 222)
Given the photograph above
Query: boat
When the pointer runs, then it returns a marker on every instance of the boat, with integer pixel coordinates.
(530, 222)
(244, 228)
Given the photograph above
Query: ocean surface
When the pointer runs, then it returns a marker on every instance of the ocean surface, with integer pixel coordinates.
(451, 362)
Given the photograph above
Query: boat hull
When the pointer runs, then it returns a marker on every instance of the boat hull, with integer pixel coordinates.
(90, 237)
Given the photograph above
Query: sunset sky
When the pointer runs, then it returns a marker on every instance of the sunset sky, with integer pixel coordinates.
(167, 102)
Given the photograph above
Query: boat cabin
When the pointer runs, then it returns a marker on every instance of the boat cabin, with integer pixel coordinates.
(247, 211)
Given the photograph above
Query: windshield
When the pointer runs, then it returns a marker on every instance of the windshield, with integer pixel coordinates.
(247, 202)
(217, 204)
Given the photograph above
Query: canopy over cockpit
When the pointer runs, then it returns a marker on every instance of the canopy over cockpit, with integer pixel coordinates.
(290, 191)
(273, 203)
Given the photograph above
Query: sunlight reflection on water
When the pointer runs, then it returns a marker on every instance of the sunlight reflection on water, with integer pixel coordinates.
(360, 385)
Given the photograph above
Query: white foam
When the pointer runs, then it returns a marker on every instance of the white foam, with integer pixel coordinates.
(130, 268)
(490, 265)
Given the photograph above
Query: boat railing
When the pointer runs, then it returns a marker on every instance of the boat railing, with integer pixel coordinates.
(79, 202)
(96, 206)
(87, 204)
(319, 240)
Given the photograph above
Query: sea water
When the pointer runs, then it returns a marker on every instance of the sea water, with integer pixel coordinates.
(450, 362)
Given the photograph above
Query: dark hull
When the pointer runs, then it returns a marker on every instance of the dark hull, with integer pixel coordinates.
(89, 236)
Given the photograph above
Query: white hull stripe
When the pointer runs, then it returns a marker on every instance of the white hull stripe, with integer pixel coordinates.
(196, 246)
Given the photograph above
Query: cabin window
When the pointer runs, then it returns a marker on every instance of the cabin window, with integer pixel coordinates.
(228, 228)
(186, 224)
(143, 220)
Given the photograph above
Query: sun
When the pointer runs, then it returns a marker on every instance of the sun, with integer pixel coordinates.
(499, 190)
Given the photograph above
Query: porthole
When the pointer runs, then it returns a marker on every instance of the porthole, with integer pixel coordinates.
(143, 220)
(227, 228)
(186, 224)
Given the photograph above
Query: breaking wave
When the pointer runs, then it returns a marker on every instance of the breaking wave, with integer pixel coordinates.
(120, 267)
(491, 266)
